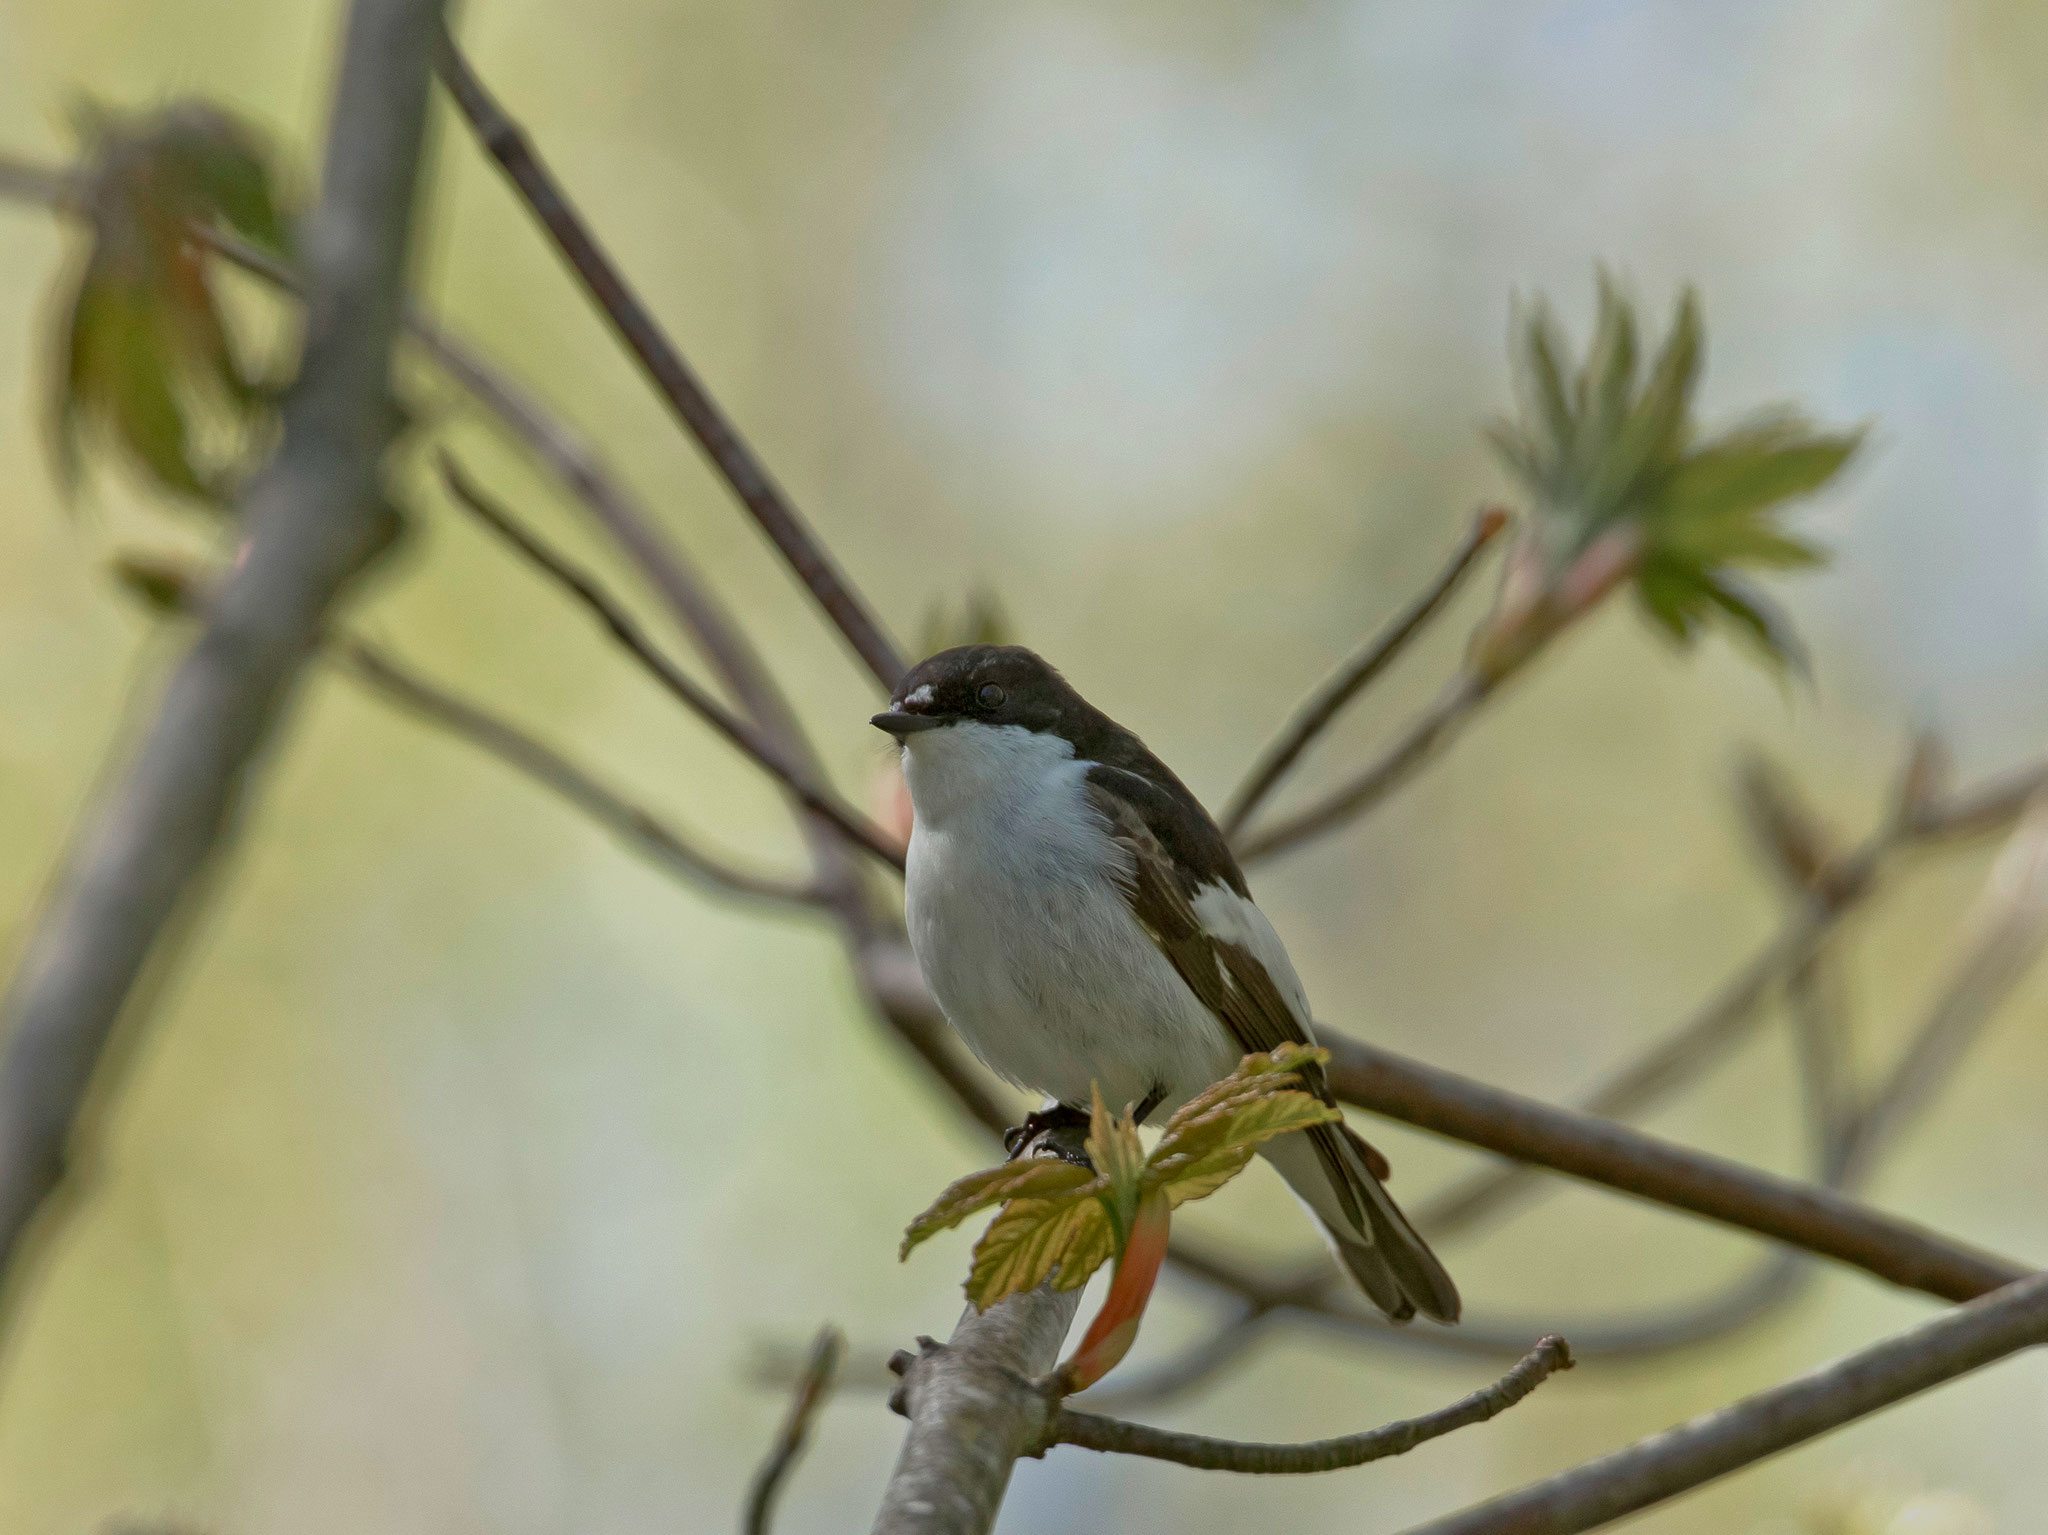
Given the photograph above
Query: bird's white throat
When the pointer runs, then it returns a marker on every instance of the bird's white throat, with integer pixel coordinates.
(976, 769)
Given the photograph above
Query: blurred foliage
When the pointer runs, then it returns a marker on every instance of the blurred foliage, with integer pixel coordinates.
(1062, 1222)
(146, 355)
(1890, 1510)
(1623, 486)
(979, 620)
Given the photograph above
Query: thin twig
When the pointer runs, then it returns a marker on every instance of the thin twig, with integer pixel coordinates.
(1114, 1436)
(811, 1391)
(315, 518)
(1724, 1020)
(2008, 932)
(1682, 1458)
(1427, 735)
(628, 633)
(396, 681)
(1358, 672)
(506, 143)
(584, 474)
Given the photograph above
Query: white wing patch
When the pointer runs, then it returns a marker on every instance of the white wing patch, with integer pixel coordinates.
(1229, 917)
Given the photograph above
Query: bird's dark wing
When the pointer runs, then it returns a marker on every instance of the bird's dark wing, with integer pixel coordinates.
(1224, 974)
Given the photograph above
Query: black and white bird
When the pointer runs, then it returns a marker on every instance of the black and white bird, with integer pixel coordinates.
(1082, 923)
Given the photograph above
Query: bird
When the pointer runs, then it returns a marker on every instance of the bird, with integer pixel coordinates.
(1084, 928)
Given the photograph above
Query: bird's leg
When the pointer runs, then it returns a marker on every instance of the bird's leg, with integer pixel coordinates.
(1151, 1101)
(1058, 1130)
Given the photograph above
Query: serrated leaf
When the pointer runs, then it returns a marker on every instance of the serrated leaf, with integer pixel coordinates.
(1218, 1147)
(1038, 1178)
(1615, 454)
(146, 356)
(1032, 1239)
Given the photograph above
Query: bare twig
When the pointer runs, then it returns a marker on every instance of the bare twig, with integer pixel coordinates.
(622, 628)
(1726, 1018)
(1619, 1158)
(1428, 734)
(24, 181)
(315, 518)
(973, 1409)
(1358, 673)
(1748, 1431)
(811, 1391)
(2008, 931)
(506, 143)
(395, 680)
(1114, 1436)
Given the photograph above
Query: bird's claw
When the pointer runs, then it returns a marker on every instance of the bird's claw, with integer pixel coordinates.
(1057, 1130)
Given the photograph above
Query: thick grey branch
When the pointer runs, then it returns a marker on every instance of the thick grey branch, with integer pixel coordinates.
(315, 517)
(1113, 1436)
(973, 1409)
(1748, 1431)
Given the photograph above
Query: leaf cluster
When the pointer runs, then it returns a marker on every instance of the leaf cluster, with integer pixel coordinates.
(145, 356)
(1061, 1222)
(1610, 450)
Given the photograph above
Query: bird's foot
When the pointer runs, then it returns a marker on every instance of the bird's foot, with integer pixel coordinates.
(1058, 1130)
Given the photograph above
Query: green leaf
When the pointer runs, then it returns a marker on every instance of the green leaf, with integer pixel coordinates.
(1619, 453)
(1032, 1239)
(1038, 1178)
(147, 360)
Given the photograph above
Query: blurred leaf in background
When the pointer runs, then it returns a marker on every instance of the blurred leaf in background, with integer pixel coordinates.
(1623, 487)
(145, 355)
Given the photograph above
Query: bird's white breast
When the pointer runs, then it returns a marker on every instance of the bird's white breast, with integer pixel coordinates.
(1024, 935)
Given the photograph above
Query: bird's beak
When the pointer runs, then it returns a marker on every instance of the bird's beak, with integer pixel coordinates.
(900, 724)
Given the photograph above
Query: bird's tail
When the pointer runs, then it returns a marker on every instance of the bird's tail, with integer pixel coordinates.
(1365, 1228)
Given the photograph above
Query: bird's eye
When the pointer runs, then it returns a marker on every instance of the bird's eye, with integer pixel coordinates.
(990, 696)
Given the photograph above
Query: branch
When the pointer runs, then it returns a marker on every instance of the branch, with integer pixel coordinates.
(973, 1409)
(23, 181)
(1724, 1020)
(2009, 928)
(506, 143)
(1113, 1436)
(1803, 1408)
(1656, 1170)
(1355, 675)
(811, 1391)
(396, 682)
(623, 629)
(315, 517)
(1430, 733)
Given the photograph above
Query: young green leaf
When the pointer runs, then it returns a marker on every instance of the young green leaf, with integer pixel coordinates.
(147, 361)
(1038, 1179)
(1061, 1223)
(1613, 462)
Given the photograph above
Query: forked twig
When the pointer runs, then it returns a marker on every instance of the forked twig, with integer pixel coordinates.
(1357, 673)
(623, 629)
(396, 681)
(1425, 736)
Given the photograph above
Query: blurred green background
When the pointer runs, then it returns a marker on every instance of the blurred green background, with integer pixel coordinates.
(467, 1164)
